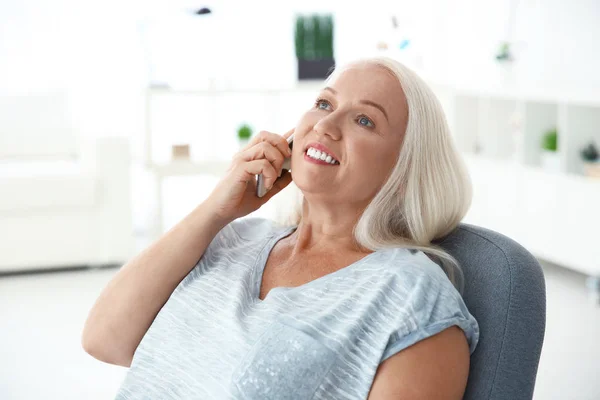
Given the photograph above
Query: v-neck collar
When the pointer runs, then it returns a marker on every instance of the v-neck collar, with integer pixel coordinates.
(261, 263)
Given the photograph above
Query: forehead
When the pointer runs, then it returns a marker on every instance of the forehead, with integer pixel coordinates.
(374, 83)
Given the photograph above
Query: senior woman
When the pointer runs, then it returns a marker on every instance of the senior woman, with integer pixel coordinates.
(350, 301)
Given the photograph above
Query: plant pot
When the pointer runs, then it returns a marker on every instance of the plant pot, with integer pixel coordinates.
(550, 161)
(591, 169)
(315, 69)
(242, 143)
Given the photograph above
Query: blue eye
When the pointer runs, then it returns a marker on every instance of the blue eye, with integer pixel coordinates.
(319, 102)
(363, 118)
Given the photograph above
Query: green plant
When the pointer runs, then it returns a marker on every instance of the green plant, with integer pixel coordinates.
(590, 153)
(550, 140)
(299, 36)
(313, 37)
(244, 132)
(504, 52)
(310, 39)
(326, 41)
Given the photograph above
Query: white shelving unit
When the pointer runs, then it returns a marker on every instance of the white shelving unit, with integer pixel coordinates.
(555, 215)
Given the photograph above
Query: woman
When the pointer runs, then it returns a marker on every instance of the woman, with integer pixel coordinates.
(343, 303)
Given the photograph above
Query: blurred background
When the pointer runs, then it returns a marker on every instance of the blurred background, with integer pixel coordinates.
(118, 117)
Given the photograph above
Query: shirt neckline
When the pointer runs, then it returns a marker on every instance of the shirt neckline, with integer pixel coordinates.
(261, 264)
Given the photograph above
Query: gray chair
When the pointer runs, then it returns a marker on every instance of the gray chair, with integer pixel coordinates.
(504, 289)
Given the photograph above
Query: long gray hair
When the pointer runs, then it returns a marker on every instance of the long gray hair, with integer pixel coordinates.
(429, 190)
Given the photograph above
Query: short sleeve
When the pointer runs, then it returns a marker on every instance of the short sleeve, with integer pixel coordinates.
(245, 228)
(434, 305)
(233, 239)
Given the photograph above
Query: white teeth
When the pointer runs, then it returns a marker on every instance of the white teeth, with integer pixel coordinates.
(319, 155)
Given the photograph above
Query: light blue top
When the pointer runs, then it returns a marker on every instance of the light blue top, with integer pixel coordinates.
(215, 339)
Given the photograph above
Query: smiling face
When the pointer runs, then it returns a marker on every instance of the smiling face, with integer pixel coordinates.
(360, 120)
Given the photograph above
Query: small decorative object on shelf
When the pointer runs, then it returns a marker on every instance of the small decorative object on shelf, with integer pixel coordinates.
(550, 157)
(244, 135)
(504, 52)
(314, 46)
(591, 160)
(402, 36)
(180, 152)
(381, 45)
(203, 11)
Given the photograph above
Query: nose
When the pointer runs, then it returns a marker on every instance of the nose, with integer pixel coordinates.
(328, 126)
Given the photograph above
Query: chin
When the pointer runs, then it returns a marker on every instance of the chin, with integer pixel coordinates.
(315, 189)
(309, 182)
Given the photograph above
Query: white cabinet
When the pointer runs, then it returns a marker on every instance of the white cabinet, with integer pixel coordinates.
(555, 214)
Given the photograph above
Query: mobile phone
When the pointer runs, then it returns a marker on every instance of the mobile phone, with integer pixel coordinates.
(261, 190)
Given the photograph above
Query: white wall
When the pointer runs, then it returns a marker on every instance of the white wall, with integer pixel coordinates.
(94, 52)
(556, 41)
(86, 52)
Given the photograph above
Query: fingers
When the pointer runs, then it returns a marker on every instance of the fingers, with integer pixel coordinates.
(274, 139)
(261, 151)
(268, 147)
(279, 185)
(252, 168)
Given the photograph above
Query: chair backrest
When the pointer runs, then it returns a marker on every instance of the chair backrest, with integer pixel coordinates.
(505, 291)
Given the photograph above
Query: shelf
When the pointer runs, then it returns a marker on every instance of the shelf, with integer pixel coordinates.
(507, 129)
(537, 119)
(183, 168)
(588, 97)
(208, 120)
(578, 126)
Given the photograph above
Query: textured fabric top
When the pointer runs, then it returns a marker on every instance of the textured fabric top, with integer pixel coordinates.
(215, 339)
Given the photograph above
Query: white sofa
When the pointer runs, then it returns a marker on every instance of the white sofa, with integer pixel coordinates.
(56, 214)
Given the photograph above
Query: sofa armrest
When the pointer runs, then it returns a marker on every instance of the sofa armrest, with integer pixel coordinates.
(80, 215)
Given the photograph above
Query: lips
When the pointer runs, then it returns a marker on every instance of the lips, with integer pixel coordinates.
(321, 147)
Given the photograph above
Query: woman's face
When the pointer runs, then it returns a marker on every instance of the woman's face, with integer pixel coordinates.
(361, 118)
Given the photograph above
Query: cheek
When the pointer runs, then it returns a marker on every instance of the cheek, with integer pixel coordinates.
(306, 121)
(373, 164)
(368, 151)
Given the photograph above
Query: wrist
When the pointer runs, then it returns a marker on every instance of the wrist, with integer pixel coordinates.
(208, 212)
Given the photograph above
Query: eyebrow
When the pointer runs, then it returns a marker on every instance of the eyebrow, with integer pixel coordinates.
(368, 102)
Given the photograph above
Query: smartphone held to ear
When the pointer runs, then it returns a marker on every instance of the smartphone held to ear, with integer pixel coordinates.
(261, 190)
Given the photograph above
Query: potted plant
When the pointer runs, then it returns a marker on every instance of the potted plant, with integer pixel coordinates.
(550, 157)
(244, 134)
(314, 46)
(591, 160)
(504, 52)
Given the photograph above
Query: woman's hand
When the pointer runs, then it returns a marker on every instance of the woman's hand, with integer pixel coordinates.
(235, 195)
